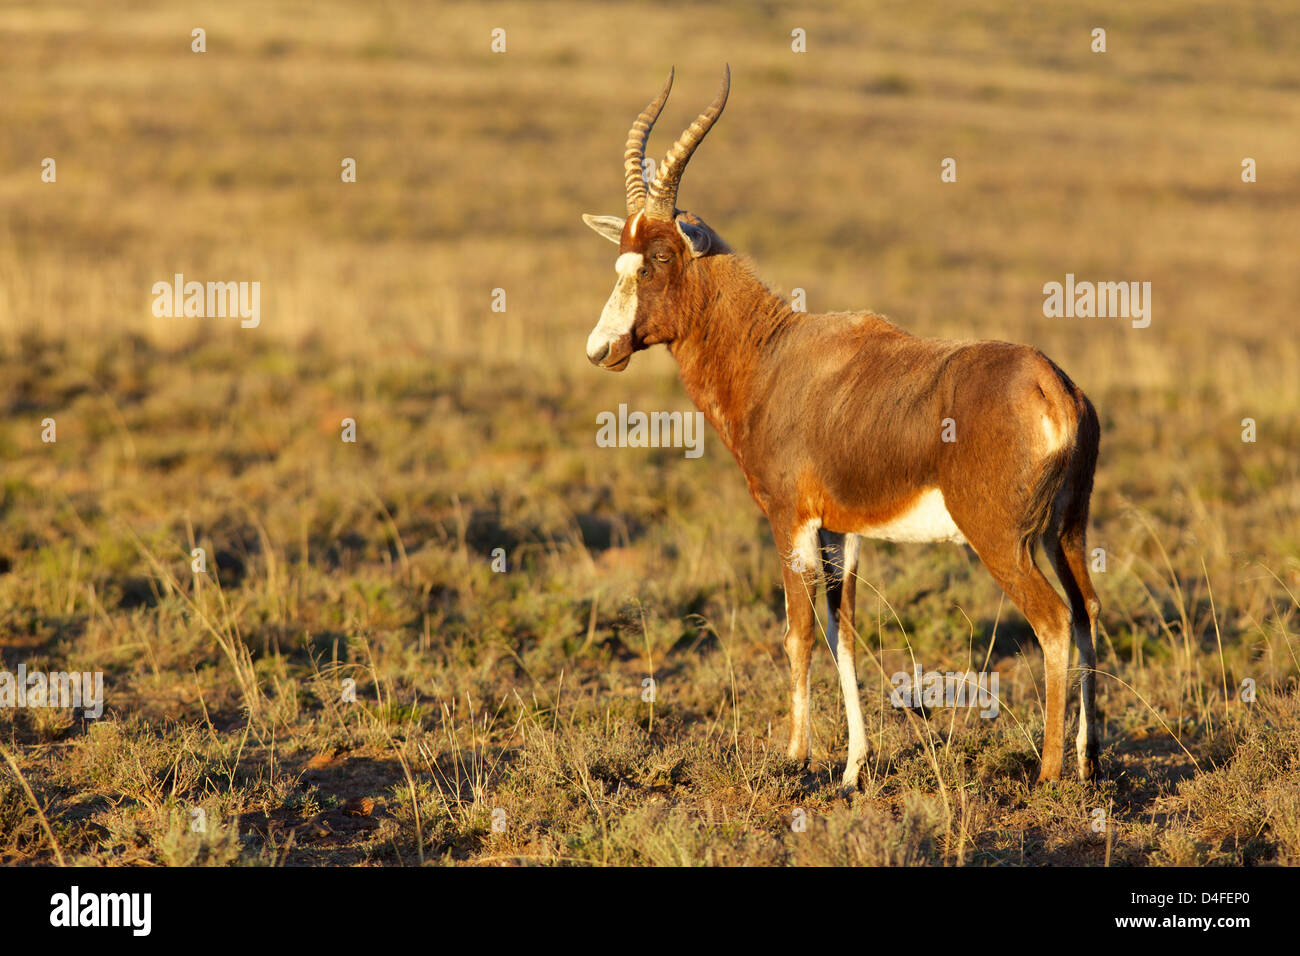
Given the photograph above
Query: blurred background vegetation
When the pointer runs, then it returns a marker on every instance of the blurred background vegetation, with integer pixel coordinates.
(371, 561)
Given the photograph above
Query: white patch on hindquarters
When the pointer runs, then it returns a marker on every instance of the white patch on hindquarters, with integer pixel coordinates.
(1054, 435)
(926, 519)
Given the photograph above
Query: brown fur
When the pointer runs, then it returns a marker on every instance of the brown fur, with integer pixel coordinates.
(838, 418)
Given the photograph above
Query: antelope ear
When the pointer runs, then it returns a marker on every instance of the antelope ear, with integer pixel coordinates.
(698, 238)
(611, 227)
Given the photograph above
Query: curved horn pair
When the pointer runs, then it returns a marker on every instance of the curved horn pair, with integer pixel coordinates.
(662, 200)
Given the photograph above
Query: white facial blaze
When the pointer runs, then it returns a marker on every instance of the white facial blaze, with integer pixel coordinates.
(619, 314)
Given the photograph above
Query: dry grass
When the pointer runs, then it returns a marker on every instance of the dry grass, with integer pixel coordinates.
(499, 716)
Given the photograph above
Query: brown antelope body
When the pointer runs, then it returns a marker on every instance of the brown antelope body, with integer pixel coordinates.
(839, 423)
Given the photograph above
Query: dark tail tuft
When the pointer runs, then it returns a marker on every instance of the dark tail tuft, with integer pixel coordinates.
(1038, 511)
(1074, 462)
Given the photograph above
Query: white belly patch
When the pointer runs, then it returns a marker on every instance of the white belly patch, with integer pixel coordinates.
(926, 520)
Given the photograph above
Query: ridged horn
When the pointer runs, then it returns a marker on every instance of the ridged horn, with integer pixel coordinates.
(662, 202)
(634, 152)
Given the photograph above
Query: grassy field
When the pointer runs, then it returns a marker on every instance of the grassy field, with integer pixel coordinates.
(498, 717)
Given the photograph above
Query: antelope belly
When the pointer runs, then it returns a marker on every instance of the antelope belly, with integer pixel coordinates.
(926, 519)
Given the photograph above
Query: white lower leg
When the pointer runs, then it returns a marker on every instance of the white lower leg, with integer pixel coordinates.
(1087, 737)
(1081, 738)
(800, 721)
(852, 712)
(846, 666)
(800, 711)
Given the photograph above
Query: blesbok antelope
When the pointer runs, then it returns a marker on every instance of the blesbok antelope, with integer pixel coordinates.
(846, 426)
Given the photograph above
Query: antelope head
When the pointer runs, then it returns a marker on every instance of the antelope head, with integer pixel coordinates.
(658, 244)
